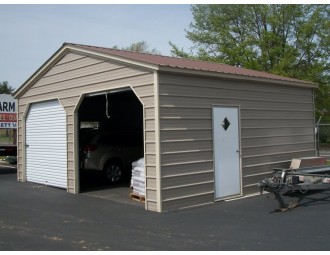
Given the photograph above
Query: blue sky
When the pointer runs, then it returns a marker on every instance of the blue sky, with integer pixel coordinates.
(30, 34)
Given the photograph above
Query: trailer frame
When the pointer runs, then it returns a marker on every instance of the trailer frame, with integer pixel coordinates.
(301, 180)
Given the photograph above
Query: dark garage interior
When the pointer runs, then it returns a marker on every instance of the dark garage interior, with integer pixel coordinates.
(110, 139)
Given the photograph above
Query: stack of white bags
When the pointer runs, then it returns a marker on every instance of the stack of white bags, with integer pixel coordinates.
(138, 177)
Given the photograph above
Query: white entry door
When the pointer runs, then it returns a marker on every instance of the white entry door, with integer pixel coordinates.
(46, 144)
(226, 144)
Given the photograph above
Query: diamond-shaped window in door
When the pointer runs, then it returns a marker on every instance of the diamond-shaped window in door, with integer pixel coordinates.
(225, 124)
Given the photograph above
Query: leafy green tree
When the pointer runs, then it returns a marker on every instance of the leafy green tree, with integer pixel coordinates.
(322, 100)
(289, 40)
(141, 47)
(5, 88)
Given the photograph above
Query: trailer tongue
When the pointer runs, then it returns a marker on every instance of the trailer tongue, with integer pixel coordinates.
(292, 180)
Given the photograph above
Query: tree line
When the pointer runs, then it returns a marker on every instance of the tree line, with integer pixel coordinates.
(288, 40)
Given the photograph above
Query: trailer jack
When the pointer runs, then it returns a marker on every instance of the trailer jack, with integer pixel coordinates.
(301, 180)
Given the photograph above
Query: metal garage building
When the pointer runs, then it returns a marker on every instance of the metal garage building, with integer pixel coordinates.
(211, 131)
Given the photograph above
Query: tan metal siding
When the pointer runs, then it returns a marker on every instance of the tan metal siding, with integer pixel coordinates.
(102, 81)
(188, 190)
(184, 169)
(184, 180)
(97, 68)
(187, 156)
(76, 74)
(68, 58)
(188, 201)
(151, 171)
(67, 64)
(276, 125)
(173, 147)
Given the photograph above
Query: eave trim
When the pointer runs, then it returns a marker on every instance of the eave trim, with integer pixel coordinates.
(153, 67)
(238, 77)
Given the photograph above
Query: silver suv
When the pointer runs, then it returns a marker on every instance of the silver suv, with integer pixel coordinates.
(111, 153)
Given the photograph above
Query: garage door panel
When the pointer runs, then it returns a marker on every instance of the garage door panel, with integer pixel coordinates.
(55, 140)
(50, 173)
(49, 154)
(45, 177)
(55, 143)
(37, 160)
(36, 130)
(46, 151)
(40, 180)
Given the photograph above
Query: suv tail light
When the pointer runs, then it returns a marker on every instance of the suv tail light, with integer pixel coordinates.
(89, 148)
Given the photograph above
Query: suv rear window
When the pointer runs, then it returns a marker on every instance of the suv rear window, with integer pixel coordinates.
(109, 139)
(86, 136)
(121, 138)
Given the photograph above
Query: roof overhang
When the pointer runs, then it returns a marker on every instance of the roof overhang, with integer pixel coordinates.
(238, 77)
(70, 48)
(152, 67)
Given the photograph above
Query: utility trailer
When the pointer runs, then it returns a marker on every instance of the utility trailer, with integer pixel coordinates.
(304, 179)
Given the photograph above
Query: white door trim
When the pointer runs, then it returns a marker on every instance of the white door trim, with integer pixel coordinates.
(240, 192)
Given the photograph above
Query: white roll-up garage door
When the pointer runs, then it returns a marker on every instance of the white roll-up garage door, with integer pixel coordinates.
(46, 145)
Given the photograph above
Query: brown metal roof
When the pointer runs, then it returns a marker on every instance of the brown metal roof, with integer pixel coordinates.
(182, 63)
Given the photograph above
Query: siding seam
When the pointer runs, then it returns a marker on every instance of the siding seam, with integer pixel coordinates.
(72, 60)
(78, 76)
(183, 152)
(271, 154)
(184, 129)
(227, 88)
(70, 70)
(185, 118)
(82, 86)
(242, 109)
(271, 145)
(188, 196)
(272, 136)
(188, 185)
(268, 163)
(276, 118)
(186, 174)
(232, 98)
(258, 174)
(186, 140)
(187, 163)
(277, 127)
(251, 185)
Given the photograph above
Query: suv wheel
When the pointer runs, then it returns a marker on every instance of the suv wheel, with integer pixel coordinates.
(113, 171)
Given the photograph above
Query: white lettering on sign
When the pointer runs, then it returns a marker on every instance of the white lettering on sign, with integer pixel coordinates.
(8, 115)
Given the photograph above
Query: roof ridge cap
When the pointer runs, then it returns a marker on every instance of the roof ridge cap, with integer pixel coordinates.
(114, 49)
(146, 53)
(278, 77)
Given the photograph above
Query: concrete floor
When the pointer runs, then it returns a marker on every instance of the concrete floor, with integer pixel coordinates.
(92, 184)
(118, 194)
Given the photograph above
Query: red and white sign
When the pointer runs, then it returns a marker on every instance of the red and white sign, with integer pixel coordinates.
(8, 111)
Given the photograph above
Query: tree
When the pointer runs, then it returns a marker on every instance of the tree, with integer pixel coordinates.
(141, 47)
(5, 88)
(289, 40)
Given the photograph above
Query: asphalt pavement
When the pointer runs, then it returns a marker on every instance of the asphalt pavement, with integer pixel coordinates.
(38, 218)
